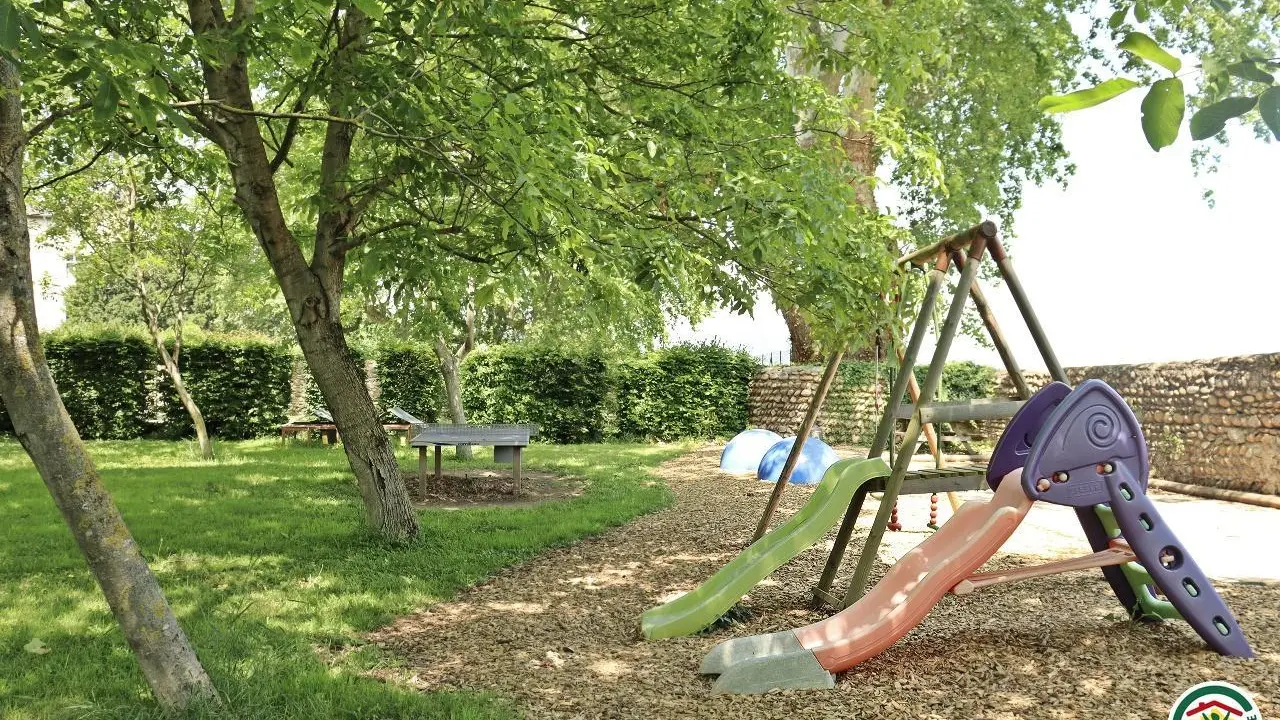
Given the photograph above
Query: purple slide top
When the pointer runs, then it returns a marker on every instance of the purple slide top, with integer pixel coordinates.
(1091, 435)
(1020, 434)
(1092, 451)
(1011, 453)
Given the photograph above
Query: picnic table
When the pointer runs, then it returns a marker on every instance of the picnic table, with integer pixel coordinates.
(328, 431)
(507, 441)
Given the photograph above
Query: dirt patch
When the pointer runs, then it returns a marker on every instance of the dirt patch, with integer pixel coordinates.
(559, 633)
(479, 488)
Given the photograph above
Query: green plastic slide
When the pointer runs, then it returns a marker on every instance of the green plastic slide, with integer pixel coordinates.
(700, 607)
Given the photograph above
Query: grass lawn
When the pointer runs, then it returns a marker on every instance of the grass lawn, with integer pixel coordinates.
(266, 559)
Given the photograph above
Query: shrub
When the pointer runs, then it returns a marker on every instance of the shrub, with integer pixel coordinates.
(963, 380)
(564, 392)
(115, 388)
(696, 390)
(106, 378)
(409, 375)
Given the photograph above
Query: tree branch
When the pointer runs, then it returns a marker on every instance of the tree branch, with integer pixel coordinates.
(55, 116)
(59, 178)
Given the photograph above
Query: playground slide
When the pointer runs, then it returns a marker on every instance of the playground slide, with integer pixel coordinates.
(807, 656)
(700, 607)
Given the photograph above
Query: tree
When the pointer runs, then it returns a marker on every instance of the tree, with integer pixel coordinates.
(577, 130)
(539, 300)
(46, 432)
(1237, 46)
(121, 224)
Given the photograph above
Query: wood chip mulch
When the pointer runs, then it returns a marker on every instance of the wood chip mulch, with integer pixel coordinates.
(558, 635)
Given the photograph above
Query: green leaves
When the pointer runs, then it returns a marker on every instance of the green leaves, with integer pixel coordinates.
(1210, 121)
(1269, 108)
(105, 99)
(1081, 99)
(8, 26)
(1162, 111)
(1118, 17)
(1249, 70)
(1144, 47)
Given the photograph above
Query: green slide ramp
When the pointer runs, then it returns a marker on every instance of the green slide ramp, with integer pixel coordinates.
(700, 607)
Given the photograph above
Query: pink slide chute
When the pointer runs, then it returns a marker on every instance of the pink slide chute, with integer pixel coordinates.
(913, 586)
(808, 656)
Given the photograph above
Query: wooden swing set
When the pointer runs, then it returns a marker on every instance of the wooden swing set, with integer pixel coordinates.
(963, 252)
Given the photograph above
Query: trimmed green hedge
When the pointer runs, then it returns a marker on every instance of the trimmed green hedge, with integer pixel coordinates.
(963, 380)
(114, 388)
(106, 381)
(240, 384)
(684, 391)
(409, 376)
(565, 393)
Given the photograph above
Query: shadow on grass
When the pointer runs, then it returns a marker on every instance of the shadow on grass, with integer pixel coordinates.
(265, 556)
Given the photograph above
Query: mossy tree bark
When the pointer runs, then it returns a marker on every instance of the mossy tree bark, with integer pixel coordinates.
(44, 428)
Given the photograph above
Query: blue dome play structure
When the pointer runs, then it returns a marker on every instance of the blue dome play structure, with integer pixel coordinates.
(746, 449)
(815, 457)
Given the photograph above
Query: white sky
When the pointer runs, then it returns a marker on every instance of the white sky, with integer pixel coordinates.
(1127, 263)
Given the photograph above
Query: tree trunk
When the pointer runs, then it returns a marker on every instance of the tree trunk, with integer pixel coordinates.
(46, 432)
(450, 371)
(803, 351)
(197, 417)
(170, 361)
(367, 444)
(858, 142)
(313, 291)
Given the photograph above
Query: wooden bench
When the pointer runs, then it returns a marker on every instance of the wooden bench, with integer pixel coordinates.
(329, 434)
(508, 440)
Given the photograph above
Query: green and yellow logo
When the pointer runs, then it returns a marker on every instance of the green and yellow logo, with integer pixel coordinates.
(1215, 701)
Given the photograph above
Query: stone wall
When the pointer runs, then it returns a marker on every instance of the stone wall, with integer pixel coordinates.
(1207, 422)
(779, 396)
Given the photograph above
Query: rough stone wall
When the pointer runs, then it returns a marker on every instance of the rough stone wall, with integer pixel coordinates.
(1207, 422)
(779, 396)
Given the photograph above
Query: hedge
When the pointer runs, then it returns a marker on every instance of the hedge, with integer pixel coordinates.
(409, 376)
(565, 393)
(114, 388)
(240, 384)
(963, 380)
(684, 391)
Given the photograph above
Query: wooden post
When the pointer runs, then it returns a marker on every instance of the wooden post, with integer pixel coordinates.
(439, 474)
(930, 433)
(810, 417)
(1028, 314)
(884, 432)
(931, 382)
(837, 550)
(997, 336)
(515, 466)
(422, 470)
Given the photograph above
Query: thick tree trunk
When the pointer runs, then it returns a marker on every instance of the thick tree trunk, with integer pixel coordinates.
(450, 370)
(803, 350)
(313, 291)
(857, 141)
(368, 447)
(46, 432)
